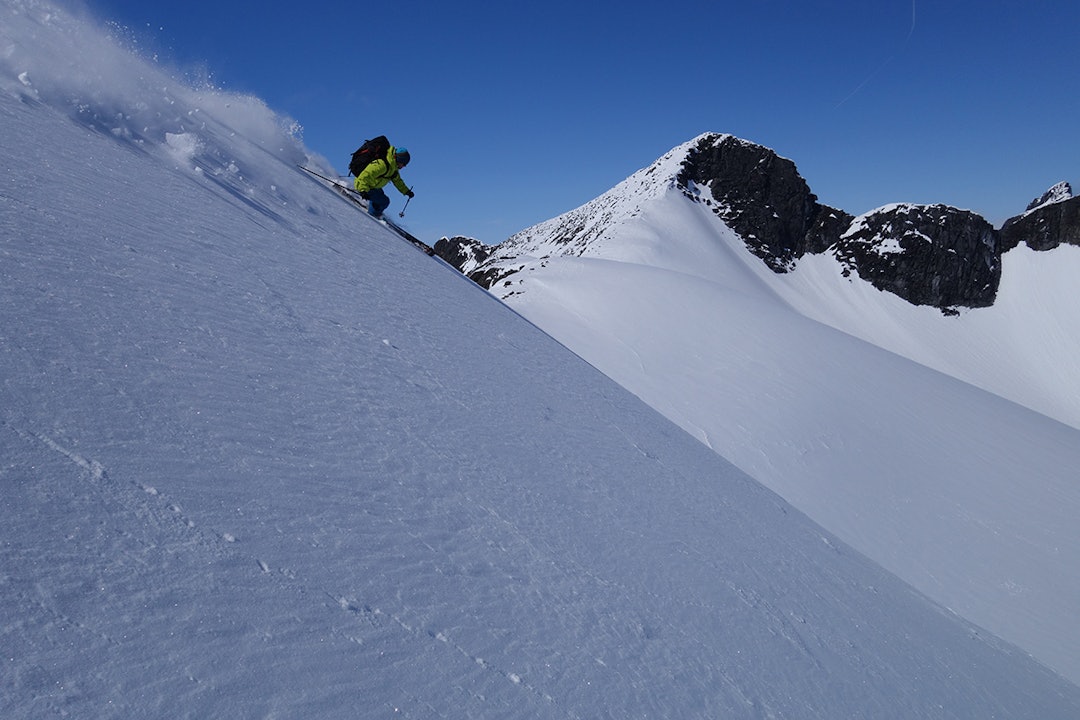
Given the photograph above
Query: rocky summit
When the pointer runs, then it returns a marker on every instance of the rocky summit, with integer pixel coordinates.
(762, 197)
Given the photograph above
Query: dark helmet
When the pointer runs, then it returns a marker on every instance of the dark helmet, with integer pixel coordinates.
(401, 155)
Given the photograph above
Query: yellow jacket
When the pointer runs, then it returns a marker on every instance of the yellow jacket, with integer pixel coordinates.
(380, 172)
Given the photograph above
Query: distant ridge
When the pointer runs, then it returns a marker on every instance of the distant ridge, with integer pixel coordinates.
(933, 255)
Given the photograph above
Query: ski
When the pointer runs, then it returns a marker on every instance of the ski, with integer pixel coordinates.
(353, 196)
(420, 244)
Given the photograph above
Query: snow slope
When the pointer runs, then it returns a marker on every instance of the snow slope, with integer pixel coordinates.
(261, 458)
(1024, 348)
(970, 497)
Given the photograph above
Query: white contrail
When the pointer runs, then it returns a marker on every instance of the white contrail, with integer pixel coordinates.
(879, 68)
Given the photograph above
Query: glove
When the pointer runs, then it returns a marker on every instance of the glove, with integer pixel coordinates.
(410, 194)
(364, 194)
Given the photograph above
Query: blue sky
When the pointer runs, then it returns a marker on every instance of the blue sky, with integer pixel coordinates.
(516, 112)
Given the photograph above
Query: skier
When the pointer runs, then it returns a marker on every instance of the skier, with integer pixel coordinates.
(370, 181)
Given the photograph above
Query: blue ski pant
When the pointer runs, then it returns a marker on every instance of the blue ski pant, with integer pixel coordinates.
(377, 202)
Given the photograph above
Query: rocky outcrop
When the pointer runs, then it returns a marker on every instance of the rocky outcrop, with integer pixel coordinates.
(464, 253)
(1050, 221)
(469, 255)
(926, 254)
(762, 197)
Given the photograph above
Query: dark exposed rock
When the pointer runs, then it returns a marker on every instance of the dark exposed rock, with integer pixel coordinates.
(762, 197)
(829, 224)
(487, 278)
(926, 254)
(464, 253)
(1049, 222)
(468, 256)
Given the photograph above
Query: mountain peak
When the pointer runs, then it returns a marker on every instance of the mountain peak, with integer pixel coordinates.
(761, 196)
(583, 229)
(926, 254)
(1049, 221)
(757, 193)
(1058, 193)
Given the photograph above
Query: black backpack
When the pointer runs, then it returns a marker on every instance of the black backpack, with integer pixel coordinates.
(374, 149)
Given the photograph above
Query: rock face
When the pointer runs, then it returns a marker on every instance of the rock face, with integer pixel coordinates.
(469, 256)
(464, 253)
(1050, 220)
(762, 197)
(926, 254)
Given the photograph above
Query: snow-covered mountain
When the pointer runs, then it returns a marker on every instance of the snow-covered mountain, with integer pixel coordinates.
(261, 458)
(943, 445)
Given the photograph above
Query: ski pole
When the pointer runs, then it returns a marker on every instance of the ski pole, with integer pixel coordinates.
(329, 180)
(402, 213)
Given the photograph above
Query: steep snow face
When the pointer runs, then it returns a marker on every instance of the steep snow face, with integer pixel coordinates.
(937, 476)
(260, 458)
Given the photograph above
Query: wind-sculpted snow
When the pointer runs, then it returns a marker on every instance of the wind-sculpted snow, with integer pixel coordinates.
(261, 458)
